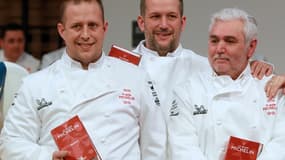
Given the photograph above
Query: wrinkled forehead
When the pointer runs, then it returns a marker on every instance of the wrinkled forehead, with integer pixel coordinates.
(225, 27)
(75, 3)
(162, 6)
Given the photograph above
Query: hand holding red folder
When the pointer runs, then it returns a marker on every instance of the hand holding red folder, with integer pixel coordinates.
(72, 136)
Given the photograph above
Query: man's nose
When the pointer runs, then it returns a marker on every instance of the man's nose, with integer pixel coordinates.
(221, 47)
(163, 22)
(85, 34)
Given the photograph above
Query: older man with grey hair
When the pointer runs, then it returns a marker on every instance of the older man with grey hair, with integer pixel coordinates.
(227, 104)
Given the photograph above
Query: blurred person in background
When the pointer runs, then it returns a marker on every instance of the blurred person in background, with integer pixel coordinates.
(13, 45)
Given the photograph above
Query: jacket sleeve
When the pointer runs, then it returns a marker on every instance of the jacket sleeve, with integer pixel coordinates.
(274, 149)
(21, 132)
(183, 138)
(152, 125)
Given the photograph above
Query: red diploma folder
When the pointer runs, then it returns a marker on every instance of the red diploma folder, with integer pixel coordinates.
(241, 149)
(125, 55)
(72, 136)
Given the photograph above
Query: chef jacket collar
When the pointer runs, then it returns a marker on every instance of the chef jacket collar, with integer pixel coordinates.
(77, 65)
(143, 49)
(226, 79)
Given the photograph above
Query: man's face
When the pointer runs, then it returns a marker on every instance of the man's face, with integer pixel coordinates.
(13, 44)
(83, 31)
(162, 25)
(228, 52)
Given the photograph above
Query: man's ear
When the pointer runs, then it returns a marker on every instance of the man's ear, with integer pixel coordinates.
(60, 29)
(183, 22)
(105, 27)
(140, 21)
(251, 48)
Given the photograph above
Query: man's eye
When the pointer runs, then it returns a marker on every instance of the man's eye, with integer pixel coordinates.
(11, 41)
(172, 16)
(154, 17)
(214, 41)
(231, 41)
(76, 26)
(93, 26)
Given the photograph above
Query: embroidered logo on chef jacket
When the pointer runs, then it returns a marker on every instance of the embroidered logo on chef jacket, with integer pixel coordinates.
(174, 110)
(199, 109)
(154, 93)
(127, 96)
(270, 107)
(42, 103)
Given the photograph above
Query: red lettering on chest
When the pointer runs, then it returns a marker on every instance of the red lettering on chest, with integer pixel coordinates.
(270, 108)
(126, 96)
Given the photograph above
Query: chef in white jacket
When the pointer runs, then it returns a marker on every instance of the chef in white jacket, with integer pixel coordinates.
(164, 58)
(229, 101)
(112, 98)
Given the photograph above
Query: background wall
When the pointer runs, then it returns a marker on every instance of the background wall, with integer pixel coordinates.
(121, 13)
(40, 19)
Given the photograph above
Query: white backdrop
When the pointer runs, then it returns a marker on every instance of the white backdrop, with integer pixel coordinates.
(269, 15)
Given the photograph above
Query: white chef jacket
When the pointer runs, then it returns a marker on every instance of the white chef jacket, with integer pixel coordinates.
(210, 108)
(168, 71)
(25, 60)
(112, 98)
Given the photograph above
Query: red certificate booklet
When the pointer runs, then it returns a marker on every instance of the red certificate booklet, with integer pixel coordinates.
(241, 149)
(125, 55)
(71, 136)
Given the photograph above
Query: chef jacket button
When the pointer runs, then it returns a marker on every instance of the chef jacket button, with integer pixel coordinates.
(107, 115)
(61, 91)
(219, 122)
(103, 140)
(253, 126)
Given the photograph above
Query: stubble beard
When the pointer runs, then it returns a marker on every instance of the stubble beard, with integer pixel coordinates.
(162, 50)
